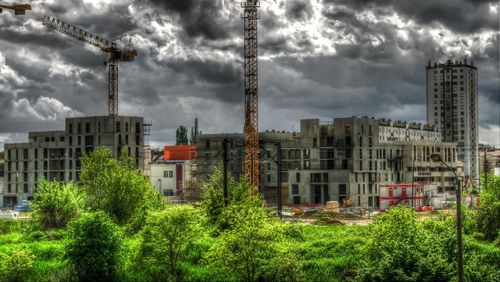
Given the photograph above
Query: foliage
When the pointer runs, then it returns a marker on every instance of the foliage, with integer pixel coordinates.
(488, 219)
(93, 245)
(181, 137)
(399, 249)
(11, 225)
(114, 186)
(55, 204)
(194, 133)
(16, 266)
(166, 240)
(154, 202)
(240, 193)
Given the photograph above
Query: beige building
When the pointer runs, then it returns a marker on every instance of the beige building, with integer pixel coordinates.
(350, 157)
(55, 155)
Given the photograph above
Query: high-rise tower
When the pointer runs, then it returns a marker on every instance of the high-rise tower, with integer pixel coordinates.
(452, 105)
(251, 129)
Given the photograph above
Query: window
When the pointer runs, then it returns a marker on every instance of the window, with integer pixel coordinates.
(168, 174)
(61, 138)
(295, 188)
(297, 177)
(137, 127)
(79, 128)
(25, 188)
(126, 127)
(137, 140)
(87, 127)
(70, 141)
(342, 189)
(70, 128)
(118, 126)
(126, 139)
(79, 140)
(268, 177)
(306, 164)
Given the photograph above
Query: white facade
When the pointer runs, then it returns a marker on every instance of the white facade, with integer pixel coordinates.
(452, 105)
(163, 176)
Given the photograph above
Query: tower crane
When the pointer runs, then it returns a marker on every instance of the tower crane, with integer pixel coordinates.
(19, 8)
(116, 54)
(251, 131)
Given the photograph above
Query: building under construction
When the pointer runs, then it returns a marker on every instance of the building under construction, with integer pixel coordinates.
(55, 155)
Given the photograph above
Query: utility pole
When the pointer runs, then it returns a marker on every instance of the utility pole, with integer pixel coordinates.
(224, 154)
(485, 169)
(280, 193)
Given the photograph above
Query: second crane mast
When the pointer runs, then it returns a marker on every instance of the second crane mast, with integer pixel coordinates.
(116, 54)
(251, 130)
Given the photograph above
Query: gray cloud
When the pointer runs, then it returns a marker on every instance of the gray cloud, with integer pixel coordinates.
(190, 63)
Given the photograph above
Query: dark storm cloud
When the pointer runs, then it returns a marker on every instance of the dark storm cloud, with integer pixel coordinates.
(459, 15)
(198, 17)
(298, 9)
(189, 62)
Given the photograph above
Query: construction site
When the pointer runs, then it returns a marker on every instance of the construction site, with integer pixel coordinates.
(351, 162)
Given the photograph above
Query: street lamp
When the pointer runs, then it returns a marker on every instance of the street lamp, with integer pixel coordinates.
(437, 158)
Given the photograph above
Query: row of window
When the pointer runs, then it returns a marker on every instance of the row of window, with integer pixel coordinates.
(118, 127)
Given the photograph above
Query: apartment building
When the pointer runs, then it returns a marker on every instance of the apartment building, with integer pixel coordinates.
(209, 150)
(55, 155)
(452, 106)
(350, 157)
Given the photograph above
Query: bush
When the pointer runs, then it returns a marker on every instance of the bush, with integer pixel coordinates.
(114, 186)
(212, 194)
(166, 239)
(16, 266)
(93, 246)
(55, 204)
(489, 209)
(399, 249)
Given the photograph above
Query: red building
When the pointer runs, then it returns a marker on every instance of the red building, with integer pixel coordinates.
(179, 152)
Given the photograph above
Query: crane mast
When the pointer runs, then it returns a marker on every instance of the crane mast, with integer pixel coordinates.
(251, 131)
(115, 53)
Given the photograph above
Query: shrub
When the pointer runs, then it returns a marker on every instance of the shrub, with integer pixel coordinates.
(399, 249)
(489, 209)
(114, 186)
(16, 266)
(55, 204)
(240, 193)
(93, 246)
(166, 239)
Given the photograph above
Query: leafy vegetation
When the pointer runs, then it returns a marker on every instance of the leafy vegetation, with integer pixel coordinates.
(143, 238)
(56, 204)
(114, 186)
(93, 245)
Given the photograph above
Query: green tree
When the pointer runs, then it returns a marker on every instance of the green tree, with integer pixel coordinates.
(93, 245)
(212, 194)
(181, 137)
(488, 219)
(16, 266)
(166, 240)
(249, 248)
(55, 204)
(112, 185)
(194, 133)
(399, 249)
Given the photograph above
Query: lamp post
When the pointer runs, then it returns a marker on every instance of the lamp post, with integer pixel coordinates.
(437, 158)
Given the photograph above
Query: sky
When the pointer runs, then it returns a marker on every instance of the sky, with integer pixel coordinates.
(317, 59)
